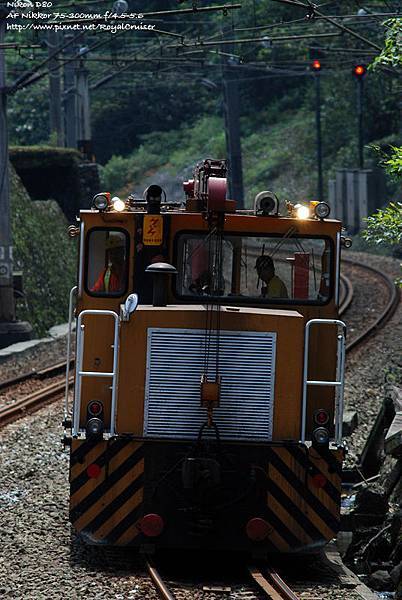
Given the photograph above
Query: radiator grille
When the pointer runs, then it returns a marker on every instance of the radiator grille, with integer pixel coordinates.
(175, 363)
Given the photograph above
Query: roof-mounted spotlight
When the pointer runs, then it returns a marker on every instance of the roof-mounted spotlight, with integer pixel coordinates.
(153, 197)
(118, 204)
(302, 211)
(322, 210)
(266, 203)
(101, 201)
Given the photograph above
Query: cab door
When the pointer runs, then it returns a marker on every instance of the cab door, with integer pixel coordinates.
(105, 281)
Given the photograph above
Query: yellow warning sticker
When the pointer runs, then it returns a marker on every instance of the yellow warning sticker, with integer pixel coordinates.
(153, 230)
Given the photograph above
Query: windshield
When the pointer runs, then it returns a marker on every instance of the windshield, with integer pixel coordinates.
(255, 268)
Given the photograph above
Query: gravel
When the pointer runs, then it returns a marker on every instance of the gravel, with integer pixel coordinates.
(368, 367)
(40, 557)
(38, 357)
(13, 394)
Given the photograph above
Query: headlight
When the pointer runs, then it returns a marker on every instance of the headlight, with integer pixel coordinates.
(94, 427)
(321, 436)
(302, 212)
(322, 210)
(101, 201)
(118, 204)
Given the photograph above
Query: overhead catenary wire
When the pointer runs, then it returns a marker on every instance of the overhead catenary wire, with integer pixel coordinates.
(35, 77)
(109, 76)
(201, 42)
(313, 11)
(32, 77)
(284, 38)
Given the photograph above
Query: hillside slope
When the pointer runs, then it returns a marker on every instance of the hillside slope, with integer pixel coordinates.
(46, 256)
(278, 154)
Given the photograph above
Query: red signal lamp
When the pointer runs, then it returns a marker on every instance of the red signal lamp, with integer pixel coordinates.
(316, 65)
(359, 71)
(258, 529)
(151, 525)
(95, 408)
(319, 480)
(93, 471)
(321, 417)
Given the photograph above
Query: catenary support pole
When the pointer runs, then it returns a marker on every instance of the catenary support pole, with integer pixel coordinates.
(319, 136)
(83, 111)
(56, 115)
(69, 98)
(7, 312)
(231, 101)
(360, 98)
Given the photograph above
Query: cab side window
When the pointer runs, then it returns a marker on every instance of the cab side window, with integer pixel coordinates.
(107, 262)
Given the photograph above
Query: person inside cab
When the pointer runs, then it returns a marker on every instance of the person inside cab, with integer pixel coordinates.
(112, 278)
(274, 286)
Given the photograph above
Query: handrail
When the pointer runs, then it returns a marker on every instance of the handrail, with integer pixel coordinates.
(81, 260)
(337, 267)
(340, 375)
(70, 318)
(79, 373)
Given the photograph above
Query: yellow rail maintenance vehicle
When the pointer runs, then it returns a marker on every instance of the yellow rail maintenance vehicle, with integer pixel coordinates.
(209, 367)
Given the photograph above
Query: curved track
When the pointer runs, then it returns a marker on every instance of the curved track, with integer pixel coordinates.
(388, 311)
(346, 294)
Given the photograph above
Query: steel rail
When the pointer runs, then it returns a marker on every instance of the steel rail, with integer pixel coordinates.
(386, 314)
(32, 402)
(161, 588)
(44, 373)
(347, 295)
(272, 584)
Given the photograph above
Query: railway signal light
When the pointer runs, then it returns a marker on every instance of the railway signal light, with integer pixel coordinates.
(316, 65)
(359, 71)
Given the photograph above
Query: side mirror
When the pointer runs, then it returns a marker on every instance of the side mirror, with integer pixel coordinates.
(128, 307)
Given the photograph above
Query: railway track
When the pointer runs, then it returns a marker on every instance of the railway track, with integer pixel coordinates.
(48, 393)
(266, 578)
(346, 294)
(272, 583)
(386, 313)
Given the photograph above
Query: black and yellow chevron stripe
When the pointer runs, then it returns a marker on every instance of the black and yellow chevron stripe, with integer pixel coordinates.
(300, 513)
(107, 508)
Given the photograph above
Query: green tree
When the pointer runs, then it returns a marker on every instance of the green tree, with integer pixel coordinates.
(385, 226)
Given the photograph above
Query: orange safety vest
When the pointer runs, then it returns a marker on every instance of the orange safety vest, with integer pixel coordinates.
(107, 282)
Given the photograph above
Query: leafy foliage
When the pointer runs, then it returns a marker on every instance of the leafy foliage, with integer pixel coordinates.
(391, 54)
(28, 115)
(46, 256)
(385, 226)
(393, 163)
